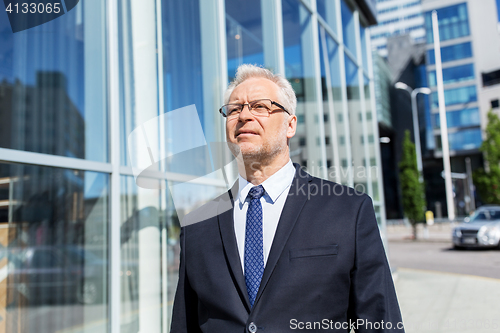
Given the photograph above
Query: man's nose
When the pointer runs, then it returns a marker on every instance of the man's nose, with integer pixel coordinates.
(245, 113)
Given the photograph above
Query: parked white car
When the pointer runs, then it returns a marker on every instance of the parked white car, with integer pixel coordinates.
(480, 230)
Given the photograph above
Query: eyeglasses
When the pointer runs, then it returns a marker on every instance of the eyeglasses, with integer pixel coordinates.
(259, 108)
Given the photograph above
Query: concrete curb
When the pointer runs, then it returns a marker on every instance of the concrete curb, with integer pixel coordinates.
(448, 241)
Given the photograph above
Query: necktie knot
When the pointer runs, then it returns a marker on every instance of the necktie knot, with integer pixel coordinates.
(256, 192)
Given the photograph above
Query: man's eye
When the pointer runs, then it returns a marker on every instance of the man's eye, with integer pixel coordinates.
(259, 107)
(232, 109)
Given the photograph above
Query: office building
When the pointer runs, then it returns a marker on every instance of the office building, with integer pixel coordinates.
(397, 17)
(113, 87)
(470, 49)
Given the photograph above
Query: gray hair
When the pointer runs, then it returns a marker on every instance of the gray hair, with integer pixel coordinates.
(247, 71)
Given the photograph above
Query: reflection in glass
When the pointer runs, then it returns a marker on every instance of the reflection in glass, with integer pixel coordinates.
(463, 140)
(332, 104)
(460, 118)
(327, 9)
(243, 34)
(53, 232)
(190, 77)
(452, 52)
(453, 23)
(348, 30)
(364, 52)
(299, 70)
(371, 161)
(453, 74)
(142, 216)
(462, 95)
(356, 126)
(182, 55)
(182, 68)
(150, 250)
(53, 85)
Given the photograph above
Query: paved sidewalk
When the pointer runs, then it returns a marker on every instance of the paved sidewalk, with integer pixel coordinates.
(433, 302)
(439, 232)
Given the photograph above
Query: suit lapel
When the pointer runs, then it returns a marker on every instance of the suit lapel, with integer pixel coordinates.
(226, 226)
(297, 197)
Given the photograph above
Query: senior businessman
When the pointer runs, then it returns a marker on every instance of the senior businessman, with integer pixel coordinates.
(281, 251)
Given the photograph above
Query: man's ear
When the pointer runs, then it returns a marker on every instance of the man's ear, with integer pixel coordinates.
(291, 126)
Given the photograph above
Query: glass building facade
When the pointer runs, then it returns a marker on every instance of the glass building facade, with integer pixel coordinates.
(459, 78)
(101, 108)
(397, 17)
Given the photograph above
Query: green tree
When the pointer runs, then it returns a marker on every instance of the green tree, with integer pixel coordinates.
(412, 189)
(488, 181)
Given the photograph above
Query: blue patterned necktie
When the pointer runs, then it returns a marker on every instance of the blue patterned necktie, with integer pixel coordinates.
(254, 243)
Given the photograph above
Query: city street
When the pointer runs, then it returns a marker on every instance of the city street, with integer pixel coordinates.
(440, 256)
(441, 289)
(433, 251)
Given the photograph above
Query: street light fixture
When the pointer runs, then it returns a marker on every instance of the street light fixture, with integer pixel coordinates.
(413, 93)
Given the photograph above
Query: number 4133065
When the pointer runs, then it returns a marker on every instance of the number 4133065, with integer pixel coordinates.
(34, 8)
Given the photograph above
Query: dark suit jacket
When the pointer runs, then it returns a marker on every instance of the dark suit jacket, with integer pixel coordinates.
(326, 269)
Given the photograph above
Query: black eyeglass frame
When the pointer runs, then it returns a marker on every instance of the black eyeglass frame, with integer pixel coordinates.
(250, 109)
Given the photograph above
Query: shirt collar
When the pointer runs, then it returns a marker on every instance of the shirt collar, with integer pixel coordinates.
(274, 185)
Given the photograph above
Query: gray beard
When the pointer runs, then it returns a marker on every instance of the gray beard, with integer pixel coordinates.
(262, 154)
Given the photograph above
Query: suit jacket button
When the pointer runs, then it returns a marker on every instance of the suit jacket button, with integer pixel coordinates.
(252, 328)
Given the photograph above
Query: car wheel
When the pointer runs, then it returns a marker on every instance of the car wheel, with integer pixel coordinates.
(88, 292)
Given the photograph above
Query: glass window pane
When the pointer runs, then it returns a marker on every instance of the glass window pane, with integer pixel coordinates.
(139, 76)
(450, 53)
(150, 229)
(299, 70)
(332, 105)
(357, 136)
(182, 63)
(190, 78)
(327, 9)
(243, 34)
(55, 226)
(53, 85)
(465, 139)
(453, 23)
(373, 142)
(453, 74)
(456, 96)
(142, 220)
(348, 30)
(364, 51)
(461, 118)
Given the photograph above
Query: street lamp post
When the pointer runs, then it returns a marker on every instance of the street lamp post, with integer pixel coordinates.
(442, 119)
(413, 93)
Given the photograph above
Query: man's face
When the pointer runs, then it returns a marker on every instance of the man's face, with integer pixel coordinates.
(259, 138)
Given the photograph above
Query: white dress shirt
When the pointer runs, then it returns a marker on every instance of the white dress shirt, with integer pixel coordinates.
(277, 187)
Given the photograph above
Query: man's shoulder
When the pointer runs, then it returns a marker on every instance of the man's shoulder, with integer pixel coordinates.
(209, 210)
(325, 189)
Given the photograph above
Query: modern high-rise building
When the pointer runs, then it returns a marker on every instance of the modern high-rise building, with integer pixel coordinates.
(397, 17)
(116, 88)
(470, 51)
